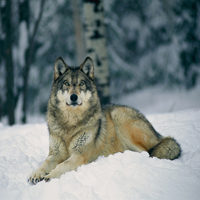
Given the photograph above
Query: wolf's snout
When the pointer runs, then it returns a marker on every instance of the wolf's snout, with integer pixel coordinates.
(73, 98)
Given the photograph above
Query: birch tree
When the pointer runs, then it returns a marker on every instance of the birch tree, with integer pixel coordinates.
(95, 41)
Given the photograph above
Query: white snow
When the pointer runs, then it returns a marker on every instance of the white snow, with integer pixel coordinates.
(122, 176)
(159, 99)
(127, 175)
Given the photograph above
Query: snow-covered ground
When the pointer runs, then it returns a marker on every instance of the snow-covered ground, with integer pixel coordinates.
(161, 100)
(123, 176)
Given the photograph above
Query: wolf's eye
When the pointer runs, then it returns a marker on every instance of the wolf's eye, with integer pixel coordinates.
(66, 83)
(82, 83)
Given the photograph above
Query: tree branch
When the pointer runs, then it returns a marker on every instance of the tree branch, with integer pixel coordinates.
(32, 38)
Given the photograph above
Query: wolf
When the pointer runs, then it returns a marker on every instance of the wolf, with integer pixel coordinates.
(81, 130)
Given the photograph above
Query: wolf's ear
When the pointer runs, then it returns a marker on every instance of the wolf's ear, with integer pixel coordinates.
(59, 68)
(88, 67)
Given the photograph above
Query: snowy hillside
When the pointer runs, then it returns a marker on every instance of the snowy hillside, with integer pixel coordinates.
(127, 175)
(159, 99)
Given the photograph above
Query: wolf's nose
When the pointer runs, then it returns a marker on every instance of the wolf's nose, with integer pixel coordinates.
(74, 97)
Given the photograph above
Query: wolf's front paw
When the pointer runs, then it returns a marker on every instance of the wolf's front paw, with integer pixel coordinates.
(36, 177)
(51, 175)
(48, 177)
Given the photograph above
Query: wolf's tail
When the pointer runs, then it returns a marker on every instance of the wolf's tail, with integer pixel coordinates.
(167, 148)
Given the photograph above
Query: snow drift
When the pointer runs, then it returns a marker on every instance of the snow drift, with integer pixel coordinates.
(127, 175)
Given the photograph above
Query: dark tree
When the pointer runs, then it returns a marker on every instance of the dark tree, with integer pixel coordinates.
(188, 12)
(10, 104)
(29, 55)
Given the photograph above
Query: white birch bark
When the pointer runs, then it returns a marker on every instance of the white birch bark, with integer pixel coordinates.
(95, 42)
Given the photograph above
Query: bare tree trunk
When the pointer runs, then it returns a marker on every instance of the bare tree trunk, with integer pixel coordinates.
(95, 40)
(28, 62)
(10, 104)
(80, 46)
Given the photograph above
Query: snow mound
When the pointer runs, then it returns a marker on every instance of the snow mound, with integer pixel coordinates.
(127, 175)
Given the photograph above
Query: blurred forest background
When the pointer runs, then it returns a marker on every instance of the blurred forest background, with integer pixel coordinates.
(149, 42)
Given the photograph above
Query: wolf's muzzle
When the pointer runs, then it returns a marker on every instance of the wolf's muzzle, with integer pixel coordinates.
(74, 101)
(73, 98)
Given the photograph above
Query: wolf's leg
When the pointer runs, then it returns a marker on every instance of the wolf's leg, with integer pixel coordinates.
(133, 129)
(70, 164)
(57, 154)
(50, 163)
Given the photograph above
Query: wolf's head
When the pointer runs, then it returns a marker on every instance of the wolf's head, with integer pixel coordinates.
(74, 88)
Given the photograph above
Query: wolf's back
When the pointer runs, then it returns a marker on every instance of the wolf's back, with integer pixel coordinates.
(167, 148)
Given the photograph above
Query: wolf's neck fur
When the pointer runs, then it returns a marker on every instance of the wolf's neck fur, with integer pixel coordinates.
(69, 118)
